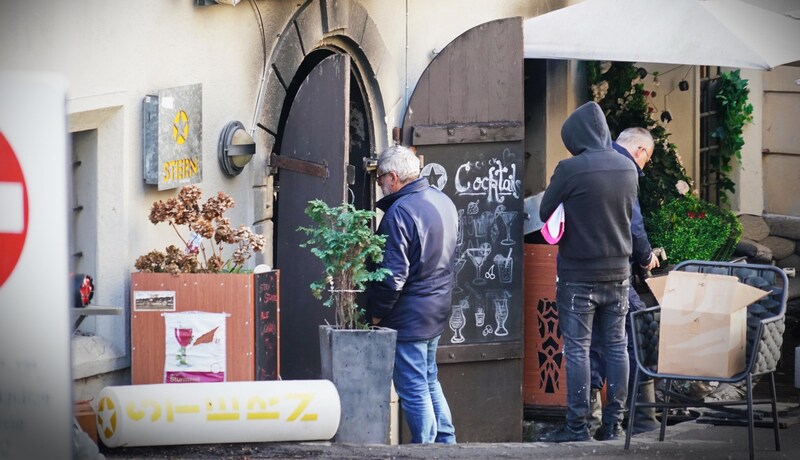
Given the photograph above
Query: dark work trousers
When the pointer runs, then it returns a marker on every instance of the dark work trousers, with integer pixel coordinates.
(596, 359)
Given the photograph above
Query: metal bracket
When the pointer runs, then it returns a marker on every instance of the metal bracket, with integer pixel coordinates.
(299, 166)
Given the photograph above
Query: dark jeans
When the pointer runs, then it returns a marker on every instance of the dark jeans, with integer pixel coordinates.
(635, 304)
(586, 310)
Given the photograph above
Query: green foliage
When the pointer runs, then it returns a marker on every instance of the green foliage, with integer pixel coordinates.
(618, 89)
(734, 113)
(342, 238)
(691, 229)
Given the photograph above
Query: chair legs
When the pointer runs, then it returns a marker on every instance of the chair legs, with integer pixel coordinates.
(773, 394)
(750, 423)
(665, 412)
(631, 410)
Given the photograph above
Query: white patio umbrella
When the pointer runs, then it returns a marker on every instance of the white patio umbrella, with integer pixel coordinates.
(727, 33)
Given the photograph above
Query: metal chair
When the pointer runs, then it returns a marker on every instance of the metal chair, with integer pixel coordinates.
(765, 327)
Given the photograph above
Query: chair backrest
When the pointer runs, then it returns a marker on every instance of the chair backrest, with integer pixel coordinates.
(765, 318)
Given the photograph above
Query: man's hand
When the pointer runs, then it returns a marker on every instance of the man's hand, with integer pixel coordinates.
(375, 321)
(653, 262)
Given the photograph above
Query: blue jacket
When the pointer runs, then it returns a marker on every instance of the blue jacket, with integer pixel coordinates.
(641, 246)
(421, 225)
(597, 187)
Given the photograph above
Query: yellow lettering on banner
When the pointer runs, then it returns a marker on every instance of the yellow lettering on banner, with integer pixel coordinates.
(263, 414)
(304, 399)
(133, 413)
(185, 168)
(140, 414)
(222, 408)
(156, 409)
(187, 409)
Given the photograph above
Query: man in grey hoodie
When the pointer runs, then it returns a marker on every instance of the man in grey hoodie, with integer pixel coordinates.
(597, 187)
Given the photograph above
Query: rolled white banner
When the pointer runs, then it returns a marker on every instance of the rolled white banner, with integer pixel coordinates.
(227, 412)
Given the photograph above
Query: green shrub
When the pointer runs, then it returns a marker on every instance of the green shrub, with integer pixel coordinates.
(691, 229)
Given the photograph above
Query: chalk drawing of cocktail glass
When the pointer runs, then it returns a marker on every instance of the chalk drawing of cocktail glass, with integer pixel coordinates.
(501, 315)
(505, 266)
(457, 321)
(480, 225)
(480, 317)
(458, 265)
(508, 217)
(184, 338)
(477, 256)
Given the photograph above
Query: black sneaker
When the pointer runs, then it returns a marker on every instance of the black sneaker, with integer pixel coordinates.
(608, 432)
(566, 434)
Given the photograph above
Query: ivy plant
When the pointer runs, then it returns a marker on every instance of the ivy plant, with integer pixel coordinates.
(342, 238)
(734, 113)
(617, 87)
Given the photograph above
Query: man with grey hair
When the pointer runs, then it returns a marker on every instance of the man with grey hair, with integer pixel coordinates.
(637, 145)
(420, 223)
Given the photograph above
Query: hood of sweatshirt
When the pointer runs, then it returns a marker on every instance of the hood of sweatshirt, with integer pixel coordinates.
(586, 130)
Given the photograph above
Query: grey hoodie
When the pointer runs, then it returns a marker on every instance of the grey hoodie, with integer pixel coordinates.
(598, 187)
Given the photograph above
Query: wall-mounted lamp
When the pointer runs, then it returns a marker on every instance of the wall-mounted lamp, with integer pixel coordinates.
(236, 148)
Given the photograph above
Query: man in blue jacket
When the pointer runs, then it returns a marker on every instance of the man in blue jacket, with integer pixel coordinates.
(597, 187)
(635, 144)
(421, 225)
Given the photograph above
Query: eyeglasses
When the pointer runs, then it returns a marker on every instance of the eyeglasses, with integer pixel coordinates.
(647, 154)
(378, 179)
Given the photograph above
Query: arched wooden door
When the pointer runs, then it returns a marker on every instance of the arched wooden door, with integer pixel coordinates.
(311, 166)
(466, 119)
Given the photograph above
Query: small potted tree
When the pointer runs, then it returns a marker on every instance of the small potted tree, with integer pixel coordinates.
(356, 357)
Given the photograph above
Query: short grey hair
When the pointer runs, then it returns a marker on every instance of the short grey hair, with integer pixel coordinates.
(636, 137)
(401, 161)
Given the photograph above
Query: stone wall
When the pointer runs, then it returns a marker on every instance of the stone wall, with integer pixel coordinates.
(772, 239)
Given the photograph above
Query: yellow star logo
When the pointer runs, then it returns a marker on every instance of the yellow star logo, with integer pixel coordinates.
(180, 127)
(106, 417)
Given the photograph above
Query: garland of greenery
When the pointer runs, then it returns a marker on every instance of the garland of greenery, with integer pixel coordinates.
(734, 112)
(617, 87)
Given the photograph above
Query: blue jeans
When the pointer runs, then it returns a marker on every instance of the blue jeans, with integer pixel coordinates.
(578, 306)
(635, 304)
(416, 380)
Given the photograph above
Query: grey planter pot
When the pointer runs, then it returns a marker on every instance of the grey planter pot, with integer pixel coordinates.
(360, 364)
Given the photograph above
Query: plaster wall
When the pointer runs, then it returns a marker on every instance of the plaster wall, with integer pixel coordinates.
(114, 54)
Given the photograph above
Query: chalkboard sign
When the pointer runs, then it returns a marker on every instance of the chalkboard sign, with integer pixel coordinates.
(485, 183)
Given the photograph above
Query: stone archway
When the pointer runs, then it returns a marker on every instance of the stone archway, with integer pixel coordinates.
(342, 25)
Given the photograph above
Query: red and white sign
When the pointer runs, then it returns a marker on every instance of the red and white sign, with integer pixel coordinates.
(13, 209)
(35, 297)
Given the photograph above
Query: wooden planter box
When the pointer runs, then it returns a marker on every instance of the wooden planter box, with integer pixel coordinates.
(233, 294)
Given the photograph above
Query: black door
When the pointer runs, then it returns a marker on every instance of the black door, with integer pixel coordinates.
(466, 119)
(311, 166)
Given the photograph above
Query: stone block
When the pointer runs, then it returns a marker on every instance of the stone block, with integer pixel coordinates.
(309, 25)
(753, 227)
(781, 247)
(783, 226)
(274, 94)
(266, 229)
(263, 202)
